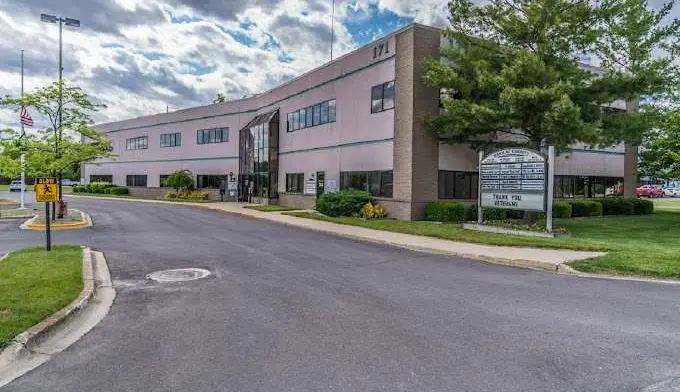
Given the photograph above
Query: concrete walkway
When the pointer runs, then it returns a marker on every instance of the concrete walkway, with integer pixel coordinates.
(549, 259)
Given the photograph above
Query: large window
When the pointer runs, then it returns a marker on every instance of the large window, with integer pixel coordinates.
(378, 183)
(458, 185)
(567, 187)
(137, 143)
(135, 180)
(209, 181)
(214, 135)
(295, 182)
(171, 139)
(382, 97)
(101, 178)
(321, 113)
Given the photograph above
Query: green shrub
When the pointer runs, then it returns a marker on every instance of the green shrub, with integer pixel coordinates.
(98, 187)
(118, 190)
(581, 208)
(445, 211)
(490, 214)
(561, 210)
(626, 207)
(346, 202)
(514, 214)
(181, 179)
(611, 206)
(642, 207)
(77, 189)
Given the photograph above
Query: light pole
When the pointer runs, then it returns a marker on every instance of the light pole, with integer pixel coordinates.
(72, 23)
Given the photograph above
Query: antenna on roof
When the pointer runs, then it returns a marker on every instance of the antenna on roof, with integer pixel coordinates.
(332, 27)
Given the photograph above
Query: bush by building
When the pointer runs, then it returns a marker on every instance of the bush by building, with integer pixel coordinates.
(490, 214)
(372, 210)
(102, 188)
(642, 207)
(617, 206)
(581, 208)
(119, 190)
(562, 210)
(187, 195)
(346, 202)
(445, 211)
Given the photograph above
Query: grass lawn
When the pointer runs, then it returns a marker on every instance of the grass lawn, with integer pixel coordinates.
(638, 245)
(667, 203)
(271, 208)
(34, 284)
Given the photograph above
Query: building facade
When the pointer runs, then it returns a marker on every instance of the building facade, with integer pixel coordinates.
(355, 122)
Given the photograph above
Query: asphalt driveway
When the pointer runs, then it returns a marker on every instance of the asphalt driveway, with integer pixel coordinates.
(292, 310)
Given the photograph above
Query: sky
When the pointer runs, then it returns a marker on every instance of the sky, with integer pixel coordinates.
(140, 57)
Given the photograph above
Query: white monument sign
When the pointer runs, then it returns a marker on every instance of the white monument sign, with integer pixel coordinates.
(514, 178)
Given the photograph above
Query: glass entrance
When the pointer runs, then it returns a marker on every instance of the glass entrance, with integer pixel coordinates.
(259, 158)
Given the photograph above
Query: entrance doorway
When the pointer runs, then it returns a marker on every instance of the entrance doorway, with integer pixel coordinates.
(320, 183)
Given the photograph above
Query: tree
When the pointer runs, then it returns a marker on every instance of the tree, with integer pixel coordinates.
(220, 98)
(637, 46)
(65, 143)
(661, 149)
(180, 179)
(510, 78)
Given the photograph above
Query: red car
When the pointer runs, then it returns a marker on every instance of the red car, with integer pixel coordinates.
(649, 191)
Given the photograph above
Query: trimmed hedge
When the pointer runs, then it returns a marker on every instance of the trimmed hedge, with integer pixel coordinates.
(616, 206)
(642, 207)
(346, 202)
(445, 211)
(119, 190)
(585, 208)
(490, 214)
(562, 210)
(99, 188)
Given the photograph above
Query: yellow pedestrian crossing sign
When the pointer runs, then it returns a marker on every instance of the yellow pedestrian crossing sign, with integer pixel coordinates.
(46, 189)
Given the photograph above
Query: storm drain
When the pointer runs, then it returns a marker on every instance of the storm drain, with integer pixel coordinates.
(178, 275)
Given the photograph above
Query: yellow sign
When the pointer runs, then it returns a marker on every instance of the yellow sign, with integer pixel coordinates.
(46, 189)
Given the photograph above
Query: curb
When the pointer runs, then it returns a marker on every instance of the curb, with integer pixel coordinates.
(565, 269)
(85, 222)
(22, 343)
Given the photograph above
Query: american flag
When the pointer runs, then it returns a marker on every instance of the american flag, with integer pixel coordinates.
(25, 117)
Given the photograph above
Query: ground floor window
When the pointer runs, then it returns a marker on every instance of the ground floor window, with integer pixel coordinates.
(458, 184)
(101, 178)
(378, 183)
(209, 181)
(295, 182)
(135, 180)
(590, 187)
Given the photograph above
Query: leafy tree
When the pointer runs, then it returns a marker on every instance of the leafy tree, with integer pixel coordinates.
(180, 179)
(220, 98)
(661, 149)
(637, 46)
(510, 79)
(65, 143)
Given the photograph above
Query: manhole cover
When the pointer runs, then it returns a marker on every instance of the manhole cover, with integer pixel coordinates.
(178, 275)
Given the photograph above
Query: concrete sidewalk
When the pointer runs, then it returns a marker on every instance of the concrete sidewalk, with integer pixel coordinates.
(549, 259)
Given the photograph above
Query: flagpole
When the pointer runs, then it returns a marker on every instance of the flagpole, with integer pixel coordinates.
(23, 176)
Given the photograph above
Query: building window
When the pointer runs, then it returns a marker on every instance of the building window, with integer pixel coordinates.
(135, 180)
(101, 178)
(382, 97)
(378, 183)
(295, 182)
(171, 139)
(568, 187)
(458, 185)
(209, 181)
(321, 113)
(214, 135)
(137, 143)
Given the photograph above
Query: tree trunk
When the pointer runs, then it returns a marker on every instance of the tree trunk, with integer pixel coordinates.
(630, 159)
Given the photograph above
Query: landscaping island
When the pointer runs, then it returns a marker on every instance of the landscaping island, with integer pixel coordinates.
(34, 284)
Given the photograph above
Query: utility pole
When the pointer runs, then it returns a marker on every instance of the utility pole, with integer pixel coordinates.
(23, 175)
(332, 27)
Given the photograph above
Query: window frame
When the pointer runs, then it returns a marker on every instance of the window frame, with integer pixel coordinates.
(168, 140)
(132, 180)
(212, 135)
(378, 97)
(312, 116)
(362, 180)
(295, 183)
(137, 143)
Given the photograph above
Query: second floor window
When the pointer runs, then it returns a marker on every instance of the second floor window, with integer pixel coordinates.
(137, 143)
(311, 116)
(214, 135)
(171, 139)
(382, 97)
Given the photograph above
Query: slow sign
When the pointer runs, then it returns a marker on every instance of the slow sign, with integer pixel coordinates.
(514, 178)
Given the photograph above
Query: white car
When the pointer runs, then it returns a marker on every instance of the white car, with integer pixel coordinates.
(671, 192)
(15, 186)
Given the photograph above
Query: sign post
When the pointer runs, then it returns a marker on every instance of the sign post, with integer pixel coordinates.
(516, 178)
(46, 191)
(551, 187)
(480, 211)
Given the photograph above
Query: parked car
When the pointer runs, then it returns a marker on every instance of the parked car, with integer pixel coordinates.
(15, 186)
(69, 182)
(649, 191)
(671, 192)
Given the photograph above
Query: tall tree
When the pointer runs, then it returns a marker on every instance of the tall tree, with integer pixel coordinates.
(661, 149)
(637, 46)
(220, 98)
(510, 77)
(65, 143)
